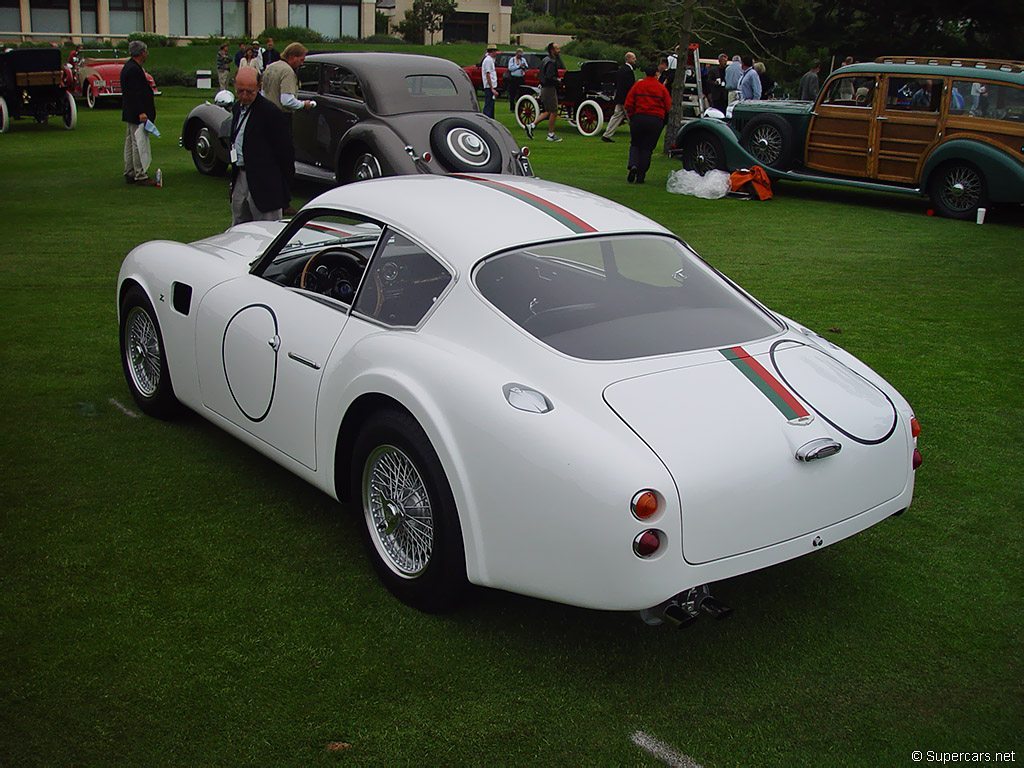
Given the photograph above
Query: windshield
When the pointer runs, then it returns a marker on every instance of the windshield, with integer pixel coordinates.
(615, 298)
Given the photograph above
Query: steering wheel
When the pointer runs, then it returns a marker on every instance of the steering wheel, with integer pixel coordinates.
(333, 271)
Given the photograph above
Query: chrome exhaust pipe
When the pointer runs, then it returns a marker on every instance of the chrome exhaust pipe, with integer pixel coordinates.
(683, 609)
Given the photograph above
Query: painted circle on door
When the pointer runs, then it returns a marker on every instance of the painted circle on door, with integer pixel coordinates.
(250, 359)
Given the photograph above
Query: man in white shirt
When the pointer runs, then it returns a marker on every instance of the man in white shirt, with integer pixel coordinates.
(489, 76)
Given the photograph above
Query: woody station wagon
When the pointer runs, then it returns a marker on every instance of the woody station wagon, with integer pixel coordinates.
(950, 129)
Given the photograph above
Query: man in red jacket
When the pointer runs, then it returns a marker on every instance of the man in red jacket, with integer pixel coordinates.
(647, 104)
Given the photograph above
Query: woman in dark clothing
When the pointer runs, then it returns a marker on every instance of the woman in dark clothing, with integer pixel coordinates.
(647, 104)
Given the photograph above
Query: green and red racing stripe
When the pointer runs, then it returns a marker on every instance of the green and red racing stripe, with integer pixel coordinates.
(769, 386)
(574, 223)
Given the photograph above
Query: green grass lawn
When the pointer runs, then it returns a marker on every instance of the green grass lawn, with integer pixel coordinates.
(170, 597)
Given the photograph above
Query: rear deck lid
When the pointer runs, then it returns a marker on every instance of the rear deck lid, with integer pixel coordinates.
(729, 432)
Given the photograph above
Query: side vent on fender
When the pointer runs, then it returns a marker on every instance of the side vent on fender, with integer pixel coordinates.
(181, 297)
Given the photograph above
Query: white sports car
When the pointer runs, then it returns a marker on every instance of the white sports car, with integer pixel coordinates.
(525, 386)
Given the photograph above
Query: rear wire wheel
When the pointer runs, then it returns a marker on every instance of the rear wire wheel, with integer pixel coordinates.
(411, 523)
(589, 118)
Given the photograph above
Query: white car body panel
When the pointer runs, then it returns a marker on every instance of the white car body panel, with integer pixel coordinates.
(543, 499)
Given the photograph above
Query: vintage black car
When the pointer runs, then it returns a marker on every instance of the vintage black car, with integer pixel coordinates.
(31, 85)
(376, 114)
(586, 97)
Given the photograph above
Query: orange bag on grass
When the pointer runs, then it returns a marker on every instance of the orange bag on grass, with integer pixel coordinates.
(756, 178)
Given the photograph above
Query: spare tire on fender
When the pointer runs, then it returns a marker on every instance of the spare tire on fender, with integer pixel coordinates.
(462, 147)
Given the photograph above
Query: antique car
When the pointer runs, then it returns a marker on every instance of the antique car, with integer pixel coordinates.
(31, 85)
(531, 76)
(572, 405)
(376, 114)
(586, 97)
(948, 129)
(96, 76)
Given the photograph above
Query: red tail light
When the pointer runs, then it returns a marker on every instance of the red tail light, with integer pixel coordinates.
(915, 427)
(918, 459)
(647, 543)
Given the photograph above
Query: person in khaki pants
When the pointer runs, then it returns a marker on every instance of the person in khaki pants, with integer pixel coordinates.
(624, 79)
(137, 110)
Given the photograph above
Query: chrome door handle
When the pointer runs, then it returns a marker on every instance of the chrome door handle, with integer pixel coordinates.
(880, 117)
(274, 342)
(304, 361)
(821, 448)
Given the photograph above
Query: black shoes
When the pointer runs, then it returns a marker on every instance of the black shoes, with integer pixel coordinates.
(606, 139)
(631, 176)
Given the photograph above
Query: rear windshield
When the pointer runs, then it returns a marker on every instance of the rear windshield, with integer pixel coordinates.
(615, 298)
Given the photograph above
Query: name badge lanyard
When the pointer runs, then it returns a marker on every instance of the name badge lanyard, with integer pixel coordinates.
(234, 135)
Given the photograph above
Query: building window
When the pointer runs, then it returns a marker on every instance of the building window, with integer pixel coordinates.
(126, 16)
(89, 24)
(199, 18)
(50, 16)
(331, 18)
(10, 16)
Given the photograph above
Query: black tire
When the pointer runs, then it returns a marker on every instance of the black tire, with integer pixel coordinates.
(143, 358)
(204, 153)
(365, 165)
(69, 113)
(408, 507)
(464, 147)
(769, 138)
(703, 152)
(958, 189)
(90, 96)
(5, 116)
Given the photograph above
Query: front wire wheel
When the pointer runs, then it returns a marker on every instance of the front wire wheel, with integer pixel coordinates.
(143, 358)
(702, 152)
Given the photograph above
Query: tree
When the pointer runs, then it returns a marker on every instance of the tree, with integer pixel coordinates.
(425, 16)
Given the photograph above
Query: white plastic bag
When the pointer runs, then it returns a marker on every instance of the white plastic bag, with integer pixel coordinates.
(711, 186)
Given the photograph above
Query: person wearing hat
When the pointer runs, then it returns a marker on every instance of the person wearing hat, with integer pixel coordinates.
(138, 110)
(489, 76)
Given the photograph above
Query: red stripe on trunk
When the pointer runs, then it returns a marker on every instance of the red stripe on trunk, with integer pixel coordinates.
(771, 381)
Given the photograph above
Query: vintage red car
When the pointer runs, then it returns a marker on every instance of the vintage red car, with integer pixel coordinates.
(96, 75)
(501, 65)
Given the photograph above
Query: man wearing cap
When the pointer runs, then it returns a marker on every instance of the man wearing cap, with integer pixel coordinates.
(137, 110)
(262, 155)
(489, 76)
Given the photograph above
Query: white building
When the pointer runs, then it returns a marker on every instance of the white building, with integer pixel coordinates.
(476, 20)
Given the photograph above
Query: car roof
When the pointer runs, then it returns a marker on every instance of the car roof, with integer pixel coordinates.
(381, 75)
(933, 70)
(463, 217)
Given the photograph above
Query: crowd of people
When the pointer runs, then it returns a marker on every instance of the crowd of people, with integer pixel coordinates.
(266, 84)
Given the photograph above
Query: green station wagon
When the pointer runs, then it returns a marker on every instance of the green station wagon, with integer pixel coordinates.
(950, 129)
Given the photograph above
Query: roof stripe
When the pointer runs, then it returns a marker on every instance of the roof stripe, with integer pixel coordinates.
(574, 223)
(769, 386)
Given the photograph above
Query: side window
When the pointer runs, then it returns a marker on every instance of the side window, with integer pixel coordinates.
(850, 92)
(402, 283)
(342, 82)
(912, 94)
(502, 60)
(309, 77)
(980, 99)
(326, 256)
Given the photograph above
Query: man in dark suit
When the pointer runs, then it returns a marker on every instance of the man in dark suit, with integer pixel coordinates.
(262, 155)
(137, 110)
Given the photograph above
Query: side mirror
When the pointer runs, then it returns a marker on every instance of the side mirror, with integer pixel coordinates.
(224, 99)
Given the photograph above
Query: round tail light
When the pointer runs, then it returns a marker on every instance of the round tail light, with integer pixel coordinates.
(426, 157)
(525, 151)
(644, 504)
(647, 543)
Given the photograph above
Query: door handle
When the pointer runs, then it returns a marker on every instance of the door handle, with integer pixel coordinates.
(880, 117)
(305, 361)
(274, 342)
(821, 448)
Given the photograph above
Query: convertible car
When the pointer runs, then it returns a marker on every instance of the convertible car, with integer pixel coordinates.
(97, 78)
(573, 405)
(376, 114)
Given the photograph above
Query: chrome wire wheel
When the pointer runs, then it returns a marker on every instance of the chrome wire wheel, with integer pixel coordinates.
(961, 189)
(766, 144)
(702, 155)
(398, 511)
(142, 351)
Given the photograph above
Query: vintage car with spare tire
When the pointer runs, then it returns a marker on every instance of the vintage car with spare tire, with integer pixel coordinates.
(948, 129)
(32, 85)
(375, 114)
